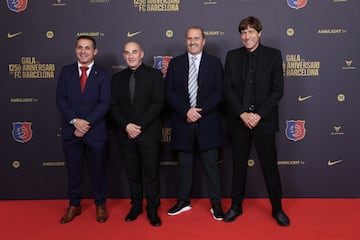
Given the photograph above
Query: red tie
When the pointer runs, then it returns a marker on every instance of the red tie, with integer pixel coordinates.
(83, 77)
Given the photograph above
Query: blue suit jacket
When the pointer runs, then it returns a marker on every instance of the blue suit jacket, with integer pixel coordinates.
(208, 98)
(91, 105)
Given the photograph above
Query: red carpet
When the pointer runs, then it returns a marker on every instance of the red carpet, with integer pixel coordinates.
(327, 219)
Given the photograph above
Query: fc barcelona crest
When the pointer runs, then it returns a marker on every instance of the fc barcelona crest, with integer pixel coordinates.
(17, 5)
(162, 63)
(295, 130)
(22, 131)
(297, 4)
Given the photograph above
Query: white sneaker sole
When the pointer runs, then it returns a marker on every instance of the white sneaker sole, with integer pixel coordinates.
(216, 218)
(184, 209)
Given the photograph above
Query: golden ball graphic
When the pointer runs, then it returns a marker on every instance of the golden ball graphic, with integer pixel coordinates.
(49, 34)
(290, 32)
(169, 33)
(16, 164)
(341, 97)
(251, 162)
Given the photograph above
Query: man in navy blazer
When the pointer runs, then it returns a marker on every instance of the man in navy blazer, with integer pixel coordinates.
(253, 87)
(195, 121)
(84, 130)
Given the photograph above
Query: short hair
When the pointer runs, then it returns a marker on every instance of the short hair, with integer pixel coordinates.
(252, 22)
(197, 28)
(87, 38)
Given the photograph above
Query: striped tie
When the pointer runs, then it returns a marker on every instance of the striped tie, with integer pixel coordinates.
(192, 85)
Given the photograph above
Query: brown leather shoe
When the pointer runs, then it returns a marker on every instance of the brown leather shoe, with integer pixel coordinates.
(101, 214)
(70, 214)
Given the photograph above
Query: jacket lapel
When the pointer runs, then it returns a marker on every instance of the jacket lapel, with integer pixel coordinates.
(185, 71)
(202, 66)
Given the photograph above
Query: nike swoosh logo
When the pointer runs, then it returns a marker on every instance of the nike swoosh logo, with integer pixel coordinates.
(129, 34)
(332, 163)
(12, 35)
(301, 99)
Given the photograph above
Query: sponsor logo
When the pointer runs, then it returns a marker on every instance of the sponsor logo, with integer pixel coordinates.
(337, 131)
(332, 31)
(295, 130)
(23, 100)
(169, 33)
(133, 34)
(162, 63)
(12, 35)
(348, 66)
(301, 99)
(53, 164)
(341, 97)
(17, 6)
(49, 34)
(251, 162)
(91, 34)
(332, 163)
(291, 162)
(59, 4)
(290, 32)
(210, 2)
(16, 164)
(213, 33)
(22, 131)
(99, 1)
(297, 4)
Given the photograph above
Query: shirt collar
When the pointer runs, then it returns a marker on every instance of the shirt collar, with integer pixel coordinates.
(89, 66)
(198, 56)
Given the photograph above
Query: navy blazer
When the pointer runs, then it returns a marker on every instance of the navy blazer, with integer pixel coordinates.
(269, 86)
(91, 105)
(208, 98)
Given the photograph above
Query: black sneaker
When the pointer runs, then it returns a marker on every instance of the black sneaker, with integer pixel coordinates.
(180, 206)
(217, 212)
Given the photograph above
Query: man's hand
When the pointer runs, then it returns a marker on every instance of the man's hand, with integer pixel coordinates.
(81, 127)
(133, 130)
(78, 133)
(193, 115)
(250, 120)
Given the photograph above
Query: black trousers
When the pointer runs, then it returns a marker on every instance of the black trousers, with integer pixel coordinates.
(142, 169)
(209, 159)
(265, 146)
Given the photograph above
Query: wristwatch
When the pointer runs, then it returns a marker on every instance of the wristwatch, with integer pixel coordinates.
(72, 122)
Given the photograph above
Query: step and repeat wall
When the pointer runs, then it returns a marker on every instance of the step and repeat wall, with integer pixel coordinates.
(318, 142)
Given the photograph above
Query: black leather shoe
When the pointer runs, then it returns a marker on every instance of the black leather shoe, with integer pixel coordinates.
(154, 219)
(233, 213)
(133, 214)
(281, 218)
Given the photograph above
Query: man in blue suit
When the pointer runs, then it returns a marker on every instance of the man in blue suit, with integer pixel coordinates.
(193, 93)
(83, 106)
